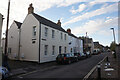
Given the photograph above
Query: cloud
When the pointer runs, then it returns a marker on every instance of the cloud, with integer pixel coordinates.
(80, 9)
(103, 10)
(96, 26)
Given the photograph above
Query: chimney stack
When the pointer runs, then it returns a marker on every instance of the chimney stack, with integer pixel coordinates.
(69, 30)
(30, 9)
(59, 23)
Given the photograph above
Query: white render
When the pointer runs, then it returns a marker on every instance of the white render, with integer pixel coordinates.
(13, 41)
(57, 41)
(1, 22)
(76, 45)
(29, 51)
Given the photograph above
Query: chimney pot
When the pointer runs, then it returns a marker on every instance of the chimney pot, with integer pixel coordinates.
(69, 30)
(59, 23)
(30, 9)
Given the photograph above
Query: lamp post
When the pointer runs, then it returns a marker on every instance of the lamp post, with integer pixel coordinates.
(6, 40)
(114, 41)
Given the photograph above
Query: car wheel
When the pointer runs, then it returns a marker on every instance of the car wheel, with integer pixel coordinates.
(69, 61)
(77, 60)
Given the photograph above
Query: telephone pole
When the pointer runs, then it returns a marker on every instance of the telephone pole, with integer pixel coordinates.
(6, 40)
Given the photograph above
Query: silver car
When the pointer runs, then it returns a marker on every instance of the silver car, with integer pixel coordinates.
(4, 73)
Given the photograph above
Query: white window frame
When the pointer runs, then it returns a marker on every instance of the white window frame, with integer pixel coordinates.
(65, 36)
(34, 31)
(61, 36)
(53, 50)
(45, 49)
(46, 31)
(53, 33)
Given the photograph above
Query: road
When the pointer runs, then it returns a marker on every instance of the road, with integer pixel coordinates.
(75, 70)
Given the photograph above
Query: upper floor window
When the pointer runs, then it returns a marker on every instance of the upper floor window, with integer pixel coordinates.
(34, 31)
(65, 36)
(61, 36)
(46, 31)
(53, 33)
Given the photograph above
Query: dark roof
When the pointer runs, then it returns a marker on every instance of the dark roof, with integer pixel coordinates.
(18, 24)
(70, 34)
(48, 22)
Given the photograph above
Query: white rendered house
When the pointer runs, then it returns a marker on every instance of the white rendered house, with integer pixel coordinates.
(41, 39)
(14, 40)
(75, 44)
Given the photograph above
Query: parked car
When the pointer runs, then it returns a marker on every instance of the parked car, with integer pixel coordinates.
(83, 55)
(96, 52)
(66, 58)
(87, 54)
(78, 56)
(4, 72)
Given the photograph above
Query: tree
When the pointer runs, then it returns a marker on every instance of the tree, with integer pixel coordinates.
(112, 46)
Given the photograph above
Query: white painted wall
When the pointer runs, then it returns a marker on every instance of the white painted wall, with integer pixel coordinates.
(1, 22)
(13, 40)
(75, 42)
(57, 41)
(28, 50)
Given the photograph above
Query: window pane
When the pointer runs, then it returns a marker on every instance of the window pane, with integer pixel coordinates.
(34, 31)
(46, 49)
(46, 31)
(53, 33)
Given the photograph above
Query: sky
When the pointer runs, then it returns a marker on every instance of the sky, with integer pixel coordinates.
(95, 17)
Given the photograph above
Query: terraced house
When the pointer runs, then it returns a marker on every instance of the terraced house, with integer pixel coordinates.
(41, 40)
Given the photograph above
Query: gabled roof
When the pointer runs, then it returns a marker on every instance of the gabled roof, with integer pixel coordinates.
(48, 22)
(18, 24)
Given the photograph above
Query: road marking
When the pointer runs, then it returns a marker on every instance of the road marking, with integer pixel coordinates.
(93, 69)
(20, 76)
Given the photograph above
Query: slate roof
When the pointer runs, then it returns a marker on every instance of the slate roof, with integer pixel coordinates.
(18, 24)
(70, 34)
(48, 22)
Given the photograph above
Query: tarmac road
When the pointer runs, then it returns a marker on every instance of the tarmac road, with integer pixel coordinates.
(75, 70)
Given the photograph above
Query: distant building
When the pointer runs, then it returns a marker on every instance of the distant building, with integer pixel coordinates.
(98, 46)
(88, 44)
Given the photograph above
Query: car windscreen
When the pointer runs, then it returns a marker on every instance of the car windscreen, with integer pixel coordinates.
(61, 55)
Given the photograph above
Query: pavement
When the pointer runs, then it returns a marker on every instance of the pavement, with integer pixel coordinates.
(22, 67)
(109, 69)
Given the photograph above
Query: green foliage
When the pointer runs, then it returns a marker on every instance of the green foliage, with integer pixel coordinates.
(112, 46)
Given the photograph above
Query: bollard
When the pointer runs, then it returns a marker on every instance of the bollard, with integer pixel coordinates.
(107, 59)
(99, 71)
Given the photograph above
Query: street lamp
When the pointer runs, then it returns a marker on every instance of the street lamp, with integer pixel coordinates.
(114, 41)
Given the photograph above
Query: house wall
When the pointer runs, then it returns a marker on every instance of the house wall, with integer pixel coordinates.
(13, 38)
(75, 43)
(57, 41)
(71, 46)
(29, 51)
(1, 21)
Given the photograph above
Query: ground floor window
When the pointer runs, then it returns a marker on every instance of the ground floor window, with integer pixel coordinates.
(53, 50)
(60, 49)
(46, 49)
(65, 50)
(9, 50)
